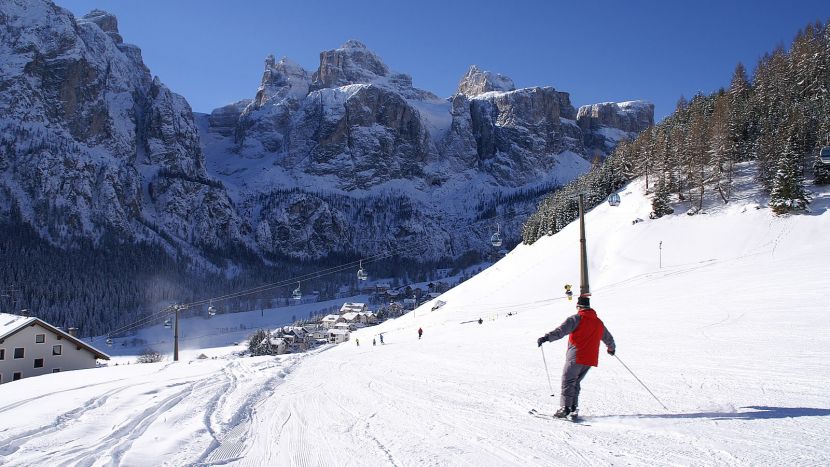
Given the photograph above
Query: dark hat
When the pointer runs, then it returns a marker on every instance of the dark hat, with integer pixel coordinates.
(583, 301)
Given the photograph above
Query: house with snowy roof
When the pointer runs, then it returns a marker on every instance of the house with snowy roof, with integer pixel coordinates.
(337, 336)
(329, 321)
(31, 347)
(278, 344)
(350, 307)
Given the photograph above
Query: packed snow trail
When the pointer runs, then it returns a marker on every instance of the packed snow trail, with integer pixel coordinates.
(730, 334)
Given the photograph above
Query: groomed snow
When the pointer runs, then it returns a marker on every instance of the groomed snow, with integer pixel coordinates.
(730, 334)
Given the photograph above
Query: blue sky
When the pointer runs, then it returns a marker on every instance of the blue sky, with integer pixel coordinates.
(212, 51)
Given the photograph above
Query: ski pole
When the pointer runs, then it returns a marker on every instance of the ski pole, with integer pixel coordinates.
(546, 371)
(638, 380)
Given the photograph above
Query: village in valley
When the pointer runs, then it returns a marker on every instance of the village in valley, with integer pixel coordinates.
(30, 346)
(336, 327)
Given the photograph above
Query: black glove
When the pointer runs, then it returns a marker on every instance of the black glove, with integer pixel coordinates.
(612, 351)
(541, 340)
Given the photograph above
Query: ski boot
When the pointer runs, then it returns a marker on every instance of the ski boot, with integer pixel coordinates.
(573, 414)
(563, 412)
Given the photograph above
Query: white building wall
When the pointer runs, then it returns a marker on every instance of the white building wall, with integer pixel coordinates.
(71, 357)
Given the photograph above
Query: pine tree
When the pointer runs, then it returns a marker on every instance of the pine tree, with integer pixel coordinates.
(788, 192)
(661, 203)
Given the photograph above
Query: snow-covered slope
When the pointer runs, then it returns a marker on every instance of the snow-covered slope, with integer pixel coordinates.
(730, 334)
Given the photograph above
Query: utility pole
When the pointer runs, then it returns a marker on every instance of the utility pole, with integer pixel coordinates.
(176, 334)
(660, 255)
(584, 287)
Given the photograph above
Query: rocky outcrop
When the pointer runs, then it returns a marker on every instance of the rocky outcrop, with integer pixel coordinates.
(352, 63)
(364, 135)
(107, 22)
(478, 81)
(224, 120)
(281, 80)
(93, 145)
(604, 125)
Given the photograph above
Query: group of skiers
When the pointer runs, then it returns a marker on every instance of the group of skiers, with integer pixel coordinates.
(374, 341)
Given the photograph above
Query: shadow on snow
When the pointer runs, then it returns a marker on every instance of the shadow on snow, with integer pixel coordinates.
(759, 412)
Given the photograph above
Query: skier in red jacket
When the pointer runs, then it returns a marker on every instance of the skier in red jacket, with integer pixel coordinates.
(585, 330)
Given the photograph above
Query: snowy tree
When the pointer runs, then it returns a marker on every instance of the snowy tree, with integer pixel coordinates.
(788, 192)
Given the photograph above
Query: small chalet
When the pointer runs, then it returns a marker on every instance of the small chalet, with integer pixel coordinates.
(33, 347)
(329, 321)
(278, 344)
(336, 336)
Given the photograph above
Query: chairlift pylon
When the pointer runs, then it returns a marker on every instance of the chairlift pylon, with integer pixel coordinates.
(495, 239)
(361, 273)
(614, 199)
(297, 294)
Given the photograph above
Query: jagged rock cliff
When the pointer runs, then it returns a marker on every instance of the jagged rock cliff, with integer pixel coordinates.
(606, 124)
(355, 128)
(92, 144)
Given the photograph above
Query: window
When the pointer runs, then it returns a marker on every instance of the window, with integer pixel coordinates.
(40, 338)
(56, 350)
(16, 376)
(2, 354)
(56, 370)
(18, 352)
(38, 363)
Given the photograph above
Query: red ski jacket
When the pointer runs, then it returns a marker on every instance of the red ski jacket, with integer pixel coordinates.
(586, 337)
(585, 332)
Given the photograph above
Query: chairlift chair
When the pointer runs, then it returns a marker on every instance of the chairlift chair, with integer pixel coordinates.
(824, 155)
(211, 309)
(168, 323)
(109, 341)
(614, 199)
(361, 273)
(495, 239)
(297, 294)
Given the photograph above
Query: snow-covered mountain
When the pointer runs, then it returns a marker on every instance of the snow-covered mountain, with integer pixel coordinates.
(107, 176)
(354, 132)
(350, 159)
(723, 324)
(92, 144)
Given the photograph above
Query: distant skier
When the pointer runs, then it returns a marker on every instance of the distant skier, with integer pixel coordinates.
(586, 330)
(373, 342)
(568, 291)
(480, 321)
(357, 341)
(381, 338)
(420, 333)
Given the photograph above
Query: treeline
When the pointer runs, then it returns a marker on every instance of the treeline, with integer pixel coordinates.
(780, 119)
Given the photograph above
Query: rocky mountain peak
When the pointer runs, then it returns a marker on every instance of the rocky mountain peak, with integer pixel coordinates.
(478, 81)
(281, 80)
(352, 63)
(106, 21)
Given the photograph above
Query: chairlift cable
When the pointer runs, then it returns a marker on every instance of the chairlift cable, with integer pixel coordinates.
(309, 276)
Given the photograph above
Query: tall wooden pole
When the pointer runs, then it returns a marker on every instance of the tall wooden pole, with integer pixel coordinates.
(584, 287)
(176, 335)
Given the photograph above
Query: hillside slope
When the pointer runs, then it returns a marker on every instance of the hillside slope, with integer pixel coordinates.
(729, 334)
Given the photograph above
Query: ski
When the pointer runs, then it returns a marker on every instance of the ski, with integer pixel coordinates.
(548, 416)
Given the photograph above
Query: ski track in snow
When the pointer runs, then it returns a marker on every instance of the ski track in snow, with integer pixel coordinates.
(728, 337)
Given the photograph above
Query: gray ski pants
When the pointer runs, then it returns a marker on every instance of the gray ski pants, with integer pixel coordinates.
(572, 375)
